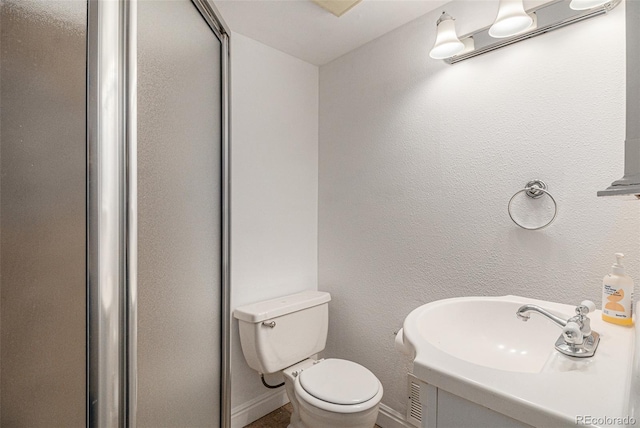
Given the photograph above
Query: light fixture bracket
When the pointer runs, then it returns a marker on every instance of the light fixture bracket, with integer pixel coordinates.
(550, 16)
(444, 17)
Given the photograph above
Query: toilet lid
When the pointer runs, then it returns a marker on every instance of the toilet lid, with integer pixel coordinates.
(340, 382)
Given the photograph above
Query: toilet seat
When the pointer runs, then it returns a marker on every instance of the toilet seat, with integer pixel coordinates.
(340, 382)
(339, 386)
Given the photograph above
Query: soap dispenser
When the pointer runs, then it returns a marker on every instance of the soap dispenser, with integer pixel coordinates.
(617, 295)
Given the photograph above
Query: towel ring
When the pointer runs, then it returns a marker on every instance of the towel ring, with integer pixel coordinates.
(535, 189)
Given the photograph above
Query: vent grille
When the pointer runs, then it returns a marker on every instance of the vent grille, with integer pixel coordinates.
(414, 408)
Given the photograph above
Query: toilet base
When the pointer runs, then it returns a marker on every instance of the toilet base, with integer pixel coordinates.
(308, 418)
(312, 417)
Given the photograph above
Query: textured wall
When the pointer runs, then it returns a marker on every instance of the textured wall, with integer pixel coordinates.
(274, 193)
(418, 159)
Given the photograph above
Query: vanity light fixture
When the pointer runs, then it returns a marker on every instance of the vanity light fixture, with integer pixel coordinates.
(587, 4)
(511, 19)
(447, 42)
(514, 24)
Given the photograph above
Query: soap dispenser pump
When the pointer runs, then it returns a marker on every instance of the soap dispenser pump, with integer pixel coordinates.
(617, 295)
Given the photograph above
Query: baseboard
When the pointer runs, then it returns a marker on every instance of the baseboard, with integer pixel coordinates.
(389, 418)
(260, 406)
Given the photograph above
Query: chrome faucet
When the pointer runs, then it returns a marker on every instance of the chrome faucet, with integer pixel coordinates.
(577, 338)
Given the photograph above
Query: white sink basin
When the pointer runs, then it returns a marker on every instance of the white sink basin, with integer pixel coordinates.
(488, 334)
(476, 348)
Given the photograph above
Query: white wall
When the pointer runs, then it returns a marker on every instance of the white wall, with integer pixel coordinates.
(418, 159)
(274, 196)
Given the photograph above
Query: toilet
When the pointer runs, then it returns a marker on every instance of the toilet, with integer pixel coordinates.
(283, 335)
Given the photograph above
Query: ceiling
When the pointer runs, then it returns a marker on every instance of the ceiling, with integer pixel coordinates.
(306, 31)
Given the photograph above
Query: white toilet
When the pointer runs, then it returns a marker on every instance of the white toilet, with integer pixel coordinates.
(282, 335)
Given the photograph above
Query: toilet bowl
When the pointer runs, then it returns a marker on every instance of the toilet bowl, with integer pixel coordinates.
(282, 335)
(332, 393)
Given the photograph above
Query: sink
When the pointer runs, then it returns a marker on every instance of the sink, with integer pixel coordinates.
(488, 334)
(477, 349)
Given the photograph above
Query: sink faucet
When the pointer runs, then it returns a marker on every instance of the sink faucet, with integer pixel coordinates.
(577, 338)
(524, 316)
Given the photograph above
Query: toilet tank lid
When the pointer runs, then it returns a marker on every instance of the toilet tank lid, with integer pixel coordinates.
(260, 311)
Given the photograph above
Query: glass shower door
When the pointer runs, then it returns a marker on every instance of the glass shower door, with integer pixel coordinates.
(111, 287)
(179, 216)
(43, 213)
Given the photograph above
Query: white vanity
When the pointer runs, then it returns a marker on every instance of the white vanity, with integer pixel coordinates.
(479, 365)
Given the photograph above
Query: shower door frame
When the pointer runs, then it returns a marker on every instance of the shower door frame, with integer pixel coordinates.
(112, 212)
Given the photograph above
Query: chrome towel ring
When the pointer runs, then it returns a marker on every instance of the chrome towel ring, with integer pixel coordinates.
(534, 189)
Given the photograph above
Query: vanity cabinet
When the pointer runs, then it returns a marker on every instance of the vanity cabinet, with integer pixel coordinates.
(441, 409)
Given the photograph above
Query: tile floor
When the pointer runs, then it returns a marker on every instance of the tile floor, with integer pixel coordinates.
(279, 418)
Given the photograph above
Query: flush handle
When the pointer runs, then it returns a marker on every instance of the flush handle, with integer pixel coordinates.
(270, 324)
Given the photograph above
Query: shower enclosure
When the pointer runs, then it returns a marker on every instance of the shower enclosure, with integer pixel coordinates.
(114, 214)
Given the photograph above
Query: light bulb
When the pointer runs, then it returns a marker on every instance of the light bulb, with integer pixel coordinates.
(586, 4)
(511, 19)
(447, 42)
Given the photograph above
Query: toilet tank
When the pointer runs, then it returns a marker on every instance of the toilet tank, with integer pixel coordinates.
(278, 333)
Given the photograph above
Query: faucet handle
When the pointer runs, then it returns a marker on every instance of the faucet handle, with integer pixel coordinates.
(585, 307)
(572, 333)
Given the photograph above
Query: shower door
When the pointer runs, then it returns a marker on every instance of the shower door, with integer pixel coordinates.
(179, 212)
(43, 213)
(113, 214)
